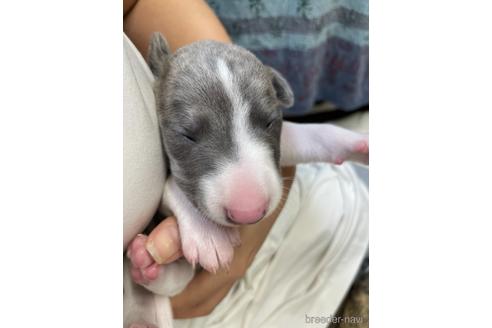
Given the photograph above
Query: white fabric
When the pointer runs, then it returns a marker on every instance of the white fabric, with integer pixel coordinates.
(309, 259)
(143, 164)
(143, 179)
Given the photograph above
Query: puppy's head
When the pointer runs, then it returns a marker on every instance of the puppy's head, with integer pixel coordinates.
(220, 114)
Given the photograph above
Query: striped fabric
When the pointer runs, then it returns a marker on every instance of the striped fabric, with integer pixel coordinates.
(320, 46)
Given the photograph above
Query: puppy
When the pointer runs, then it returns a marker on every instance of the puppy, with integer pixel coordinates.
(219, 110)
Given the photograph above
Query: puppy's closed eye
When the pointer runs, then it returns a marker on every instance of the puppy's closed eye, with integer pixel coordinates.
(188, 136)
(272, 119)
(185, 134)
(270, 123)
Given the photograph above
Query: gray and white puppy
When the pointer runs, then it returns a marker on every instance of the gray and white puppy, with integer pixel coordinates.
(220, 115)
(221, 124)
(219, 110)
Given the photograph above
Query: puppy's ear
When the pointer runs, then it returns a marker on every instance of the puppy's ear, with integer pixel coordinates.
(158, 54)
(284, 93)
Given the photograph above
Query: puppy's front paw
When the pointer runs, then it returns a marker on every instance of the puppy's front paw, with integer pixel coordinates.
(166, 280)
(203, 241)
(209, 244)
(144, 269)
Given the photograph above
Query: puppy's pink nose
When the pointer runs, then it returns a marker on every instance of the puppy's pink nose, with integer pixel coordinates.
(247, 202)
(247, 215)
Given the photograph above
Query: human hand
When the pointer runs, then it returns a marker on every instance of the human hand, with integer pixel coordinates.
(147, 253)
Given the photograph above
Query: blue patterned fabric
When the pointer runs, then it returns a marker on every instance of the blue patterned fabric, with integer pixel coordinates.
(320, 46)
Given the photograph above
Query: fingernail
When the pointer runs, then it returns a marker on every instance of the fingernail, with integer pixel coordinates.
(162, 244)
(150, 246)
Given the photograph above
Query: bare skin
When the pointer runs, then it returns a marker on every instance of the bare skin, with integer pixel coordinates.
(180, 21)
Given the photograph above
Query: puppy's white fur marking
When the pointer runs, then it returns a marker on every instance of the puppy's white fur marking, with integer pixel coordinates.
(253, 156)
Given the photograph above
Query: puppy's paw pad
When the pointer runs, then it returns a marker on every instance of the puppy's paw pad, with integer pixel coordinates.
(339, 160)
(152, 272)
(144, 268)
(361, 146)
(137, 253)
(360, 151)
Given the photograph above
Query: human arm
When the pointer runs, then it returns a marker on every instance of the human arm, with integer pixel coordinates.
(180, 21)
